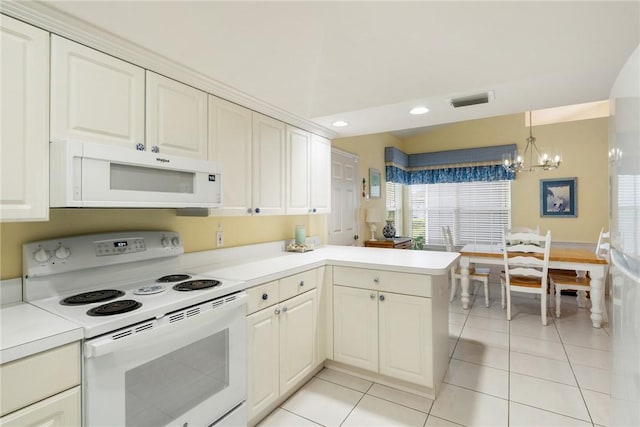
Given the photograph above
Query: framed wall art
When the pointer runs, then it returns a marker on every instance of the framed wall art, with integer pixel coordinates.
(374, 183)
(559, 197)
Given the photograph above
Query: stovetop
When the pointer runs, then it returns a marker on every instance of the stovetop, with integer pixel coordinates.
(135, 272)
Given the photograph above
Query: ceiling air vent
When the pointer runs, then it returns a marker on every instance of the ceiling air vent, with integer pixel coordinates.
(465, 101)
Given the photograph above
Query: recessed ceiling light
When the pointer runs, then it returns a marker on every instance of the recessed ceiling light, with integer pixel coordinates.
(419, 110)
(340, 123)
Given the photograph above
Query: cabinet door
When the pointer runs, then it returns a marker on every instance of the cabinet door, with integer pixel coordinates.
(298, 339)
(355, 327)
(298, 143)
(60, 410)
(176, 117)
(95, 97)
(24, 143)
(230, 140)
(268, 171)
(262, 359)
(320, 176)
(405, 338)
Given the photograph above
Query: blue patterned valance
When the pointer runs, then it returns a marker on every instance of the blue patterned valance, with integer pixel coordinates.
(469, 165)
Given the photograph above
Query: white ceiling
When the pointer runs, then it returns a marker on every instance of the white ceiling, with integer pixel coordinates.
(369, 62)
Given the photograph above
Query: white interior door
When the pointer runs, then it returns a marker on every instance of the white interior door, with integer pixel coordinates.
(343, 220)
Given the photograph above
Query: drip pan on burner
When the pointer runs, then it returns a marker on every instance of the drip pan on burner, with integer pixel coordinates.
(195, 285)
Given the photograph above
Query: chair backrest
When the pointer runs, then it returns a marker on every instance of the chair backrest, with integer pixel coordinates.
(448, 239)
(526, 254)
(604, 244)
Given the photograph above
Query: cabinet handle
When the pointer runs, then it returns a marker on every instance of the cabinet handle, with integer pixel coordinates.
(284, 309)
(249, 210)
(277, 311)
(381, 297)
(265, 297)
(314, 210)
(301, 282)
(140, 146)
(257, 210)
(376, 280)
(155, 149)
(372, 296)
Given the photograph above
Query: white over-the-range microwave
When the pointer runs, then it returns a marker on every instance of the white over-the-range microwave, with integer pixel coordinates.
(103, 176)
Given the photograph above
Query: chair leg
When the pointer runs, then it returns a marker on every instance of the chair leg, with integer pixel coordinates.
(502, 286)
(581, 297)
(486, 293)
(454, 284)
(508, 291)
(543, 308)
(558, 299)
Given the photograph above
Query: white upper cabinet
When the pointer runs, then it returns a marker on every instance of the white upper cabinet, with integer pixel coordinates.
(230, 145)
(95, 97)
(320, 175)
(24, 143)
(268, 170)
(176, 118)
(298, 188)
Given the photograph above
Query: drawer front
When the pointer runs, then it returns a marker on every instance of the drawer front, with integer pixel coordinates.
(298, 284)
(262, 296)
(33, 378)
(61, 410)
(387, 281)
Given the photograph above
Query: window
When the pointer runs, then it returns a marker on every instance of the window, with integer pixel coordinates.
(394, 205)
(476, 212)
(628, 220)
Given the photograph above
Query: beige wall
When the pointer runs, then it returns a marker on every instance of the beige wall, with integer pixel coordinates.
(583, 144)
(370, 150)
(198, 234)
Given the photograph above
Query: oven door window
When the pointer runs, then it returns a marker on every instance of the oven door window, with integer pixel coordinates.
(161, 390)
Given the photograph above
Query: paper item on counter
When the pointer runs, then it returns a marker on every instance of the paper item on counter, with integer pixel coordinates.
(296, 247)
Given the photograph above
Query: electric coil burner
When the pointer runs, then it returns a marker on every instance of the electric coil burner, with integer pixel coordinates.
(115, 307)
(195, 285)
(101, 295)
(173, 278)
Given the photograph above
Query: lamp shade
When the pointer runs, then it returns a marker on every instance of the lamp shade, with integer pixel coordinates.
(372, 215)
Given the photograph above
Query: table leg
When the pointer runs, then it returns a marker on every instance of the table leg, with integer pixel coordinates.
(597, 289)
(464, 282)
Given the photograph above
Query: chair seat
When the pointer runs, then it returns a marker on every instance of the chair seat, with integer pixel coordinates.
(524, 281)
(569, 280)
(562, 273)
(474, 272)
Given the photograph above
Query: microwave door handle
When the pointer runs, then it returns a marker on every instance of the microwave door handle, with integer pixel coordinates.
(200, 323)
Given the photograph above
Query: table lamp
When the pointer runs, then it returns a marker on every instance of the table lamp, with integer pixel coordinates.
(372, 217)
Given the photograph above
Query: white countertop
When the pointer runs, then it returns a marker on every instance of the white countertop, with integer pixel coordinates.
(287, 263)
(26, 330)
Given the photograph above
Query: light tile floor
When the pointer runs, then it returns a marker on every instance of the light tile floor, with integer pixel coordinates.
(501, 373)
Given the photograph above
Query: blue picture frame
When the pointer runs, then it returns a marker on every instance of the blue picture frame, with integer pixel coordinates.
(559, 197)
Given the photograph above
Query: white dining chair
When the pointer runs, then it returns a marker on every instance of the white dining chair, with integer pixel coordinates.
(480, 274)
(579, 281)
(526, 265)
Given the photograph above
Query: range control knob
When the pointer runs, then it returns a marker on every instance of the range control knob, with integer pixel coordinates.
(41, 255)
(62, 252)
(165, 242)
(175, 241)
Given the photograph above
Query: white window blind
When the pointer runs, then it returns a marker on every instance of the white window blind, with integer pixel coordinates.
(476, 212)
(394, 205)
(628, 208)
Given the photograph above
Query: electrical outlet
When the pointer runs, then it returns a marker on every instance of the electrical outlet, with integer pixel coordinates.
(219, 239)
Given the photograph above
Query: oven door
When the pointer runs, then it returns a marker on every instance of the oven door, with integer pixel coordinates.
(186, 369)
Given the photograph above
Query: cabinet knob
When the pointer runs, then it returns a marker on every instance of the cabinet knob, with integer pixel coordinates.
(376, 280)
(314, 210)
(257, 210)
(155, 149)
(140, 146)
(249, 210)
(301, 282)
(381, 297)
(265, 296)
(284, 309)
(372, 296)
(277, 311)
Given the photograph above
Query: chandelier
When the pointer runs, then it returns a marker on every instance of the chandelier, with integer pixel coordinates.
(532, 159)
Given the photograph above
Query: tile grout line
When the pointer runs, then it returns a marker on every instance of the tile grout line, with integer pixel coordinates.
(356, 405)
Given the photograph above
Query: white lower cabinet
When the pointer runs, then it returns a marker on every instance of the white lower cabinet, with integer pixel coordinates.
(282, 343)
(42, 389)
(389, 333)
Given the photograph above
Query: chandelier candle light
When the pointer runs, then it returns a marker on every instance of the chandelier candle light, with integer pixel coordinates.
(372, 217)
(525, 162)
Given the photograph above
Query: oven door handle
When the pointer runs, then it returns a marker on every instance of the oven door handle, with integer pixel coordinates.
(165, 328)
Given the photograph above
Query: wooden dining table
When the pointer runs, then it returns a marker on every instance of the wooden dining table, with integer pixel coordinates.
(559, 257)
